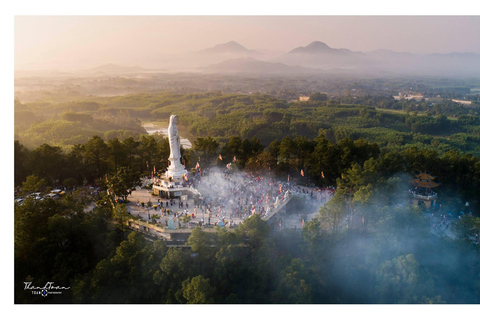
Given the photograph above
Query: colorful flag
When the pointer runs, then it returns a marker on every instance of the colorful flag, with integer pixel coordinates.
(288, 179)
(153, 169)
(303, 222)
(323, 176)
(147, 164)
(234, 159)
(301, 172)
(220, 157)
(197, 166)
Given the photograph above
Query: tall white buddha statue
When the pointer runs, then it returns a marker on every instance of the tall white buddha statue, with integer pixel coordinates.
(175, 169)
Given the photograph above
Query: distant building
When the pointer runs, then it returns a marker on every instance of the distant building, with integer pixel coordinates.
(416, 97)
(303, 98)
(462, 101)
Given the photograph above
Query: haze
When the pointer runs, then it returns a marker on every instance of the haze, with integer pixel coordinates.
(76, 42)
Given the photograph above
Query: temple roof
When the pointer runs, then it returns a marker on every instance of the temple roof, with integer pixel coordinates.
(424, 180)
(424, 184)
(424, 176)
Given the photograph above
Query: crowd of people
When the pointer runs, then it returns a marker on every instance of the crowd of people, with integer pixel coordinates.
(229, 197)
(237, 195)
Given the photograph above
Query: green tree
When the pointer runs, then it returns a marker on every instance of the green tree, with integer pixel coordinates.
(261, 162)
(131, 152)
(294, 286)
(363, 201)
(21, 155)
(274, 149)
(70, 183)
(47, 162)
(318, 96)
(398, 280)
(33, 184)
(117, 153)
(206, 149)
(126, 276)
(201, 243)
(468, 227)
(197, 290)
(122, 182)
(96, 158)
(333, 212)
(175, 267)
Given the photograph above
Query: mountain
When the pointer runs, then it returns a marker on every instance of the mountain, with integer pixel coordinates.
(319, 55)
(231, 47)
(318, 47)
(222, 52)
(251, 65)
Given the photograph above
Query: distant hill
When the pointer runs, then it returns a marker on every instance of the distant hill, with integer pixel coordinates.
(319, 55)
(222, 52)
(318, 47)
(231, 47)
(316, 57)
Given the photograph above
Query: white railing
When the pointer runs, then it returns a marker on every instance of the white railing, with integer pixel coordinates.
(423, 197)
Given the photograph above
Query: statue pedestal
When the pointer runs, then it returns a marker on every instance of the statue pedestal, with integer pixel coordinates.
(167, 187)
(175, 173)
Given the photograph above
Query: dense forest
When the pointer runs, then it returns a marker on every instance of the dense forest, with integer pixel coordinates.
(222, 116)
(390, 257)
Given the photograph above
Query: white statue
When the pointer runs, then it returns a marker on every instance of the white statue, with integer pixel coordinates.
(176, 169)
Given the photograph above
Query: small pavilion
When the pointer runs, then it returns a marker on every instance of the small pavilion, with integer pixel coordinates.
(422, 190)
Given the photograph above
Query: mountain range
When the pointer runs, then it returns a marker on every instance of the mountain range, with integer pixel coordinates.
(315, 58)
(318, 57)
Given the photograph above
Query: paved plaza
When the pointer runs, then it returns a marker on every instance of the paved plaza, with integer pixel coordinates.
(290, 220)
(143, 195)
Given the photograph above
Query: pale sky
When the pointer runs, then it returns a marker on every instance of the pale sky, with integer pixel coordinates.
(87, 41)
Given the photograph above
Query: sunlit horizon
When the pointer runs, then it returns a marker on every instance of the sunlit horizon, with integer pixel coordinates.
(76, 42)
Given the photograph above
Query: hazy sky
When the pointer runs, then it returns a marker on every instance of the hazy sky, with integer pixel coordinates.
(87, 41)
